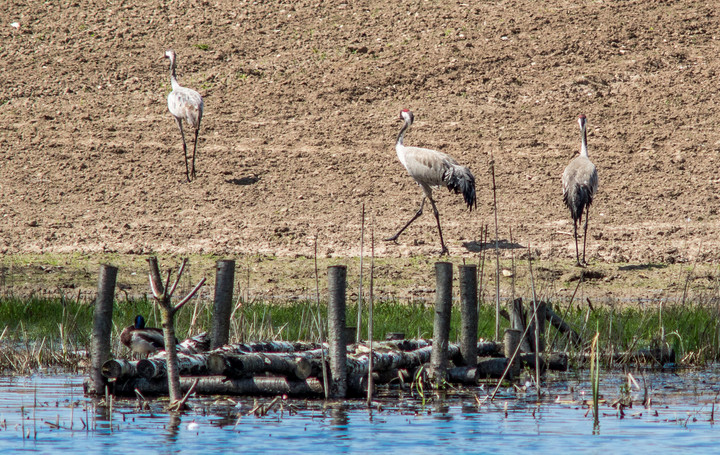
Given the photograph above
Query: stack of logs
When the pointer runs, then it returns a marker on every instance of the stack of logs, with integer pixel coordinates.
(211, 366)
(295, 368)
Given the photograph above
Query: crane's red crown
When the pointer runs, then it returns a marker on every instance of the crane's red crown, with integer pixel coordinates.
(408, 113)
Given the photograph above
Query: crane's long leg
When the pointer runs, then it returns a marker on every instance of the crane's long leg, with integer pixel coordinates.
(444, 249)
(419, 212)
(587, 217)
(187, 170)
(577, 252)
(192, 169)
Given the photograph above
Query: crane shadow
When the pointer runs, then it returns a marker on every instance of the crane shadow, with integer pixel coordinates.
(503, 244)
(250, 180)
(642, 267)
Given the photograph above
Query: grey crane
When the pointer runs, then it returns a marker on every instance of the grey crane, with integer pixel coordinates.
(580, 183)
(184, 104)
(431, 168)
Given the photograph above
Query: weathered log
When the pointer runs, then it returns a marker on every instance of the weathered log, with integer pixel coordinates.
(119, 368)
(241, 365)
(269, 346)
(195, 345)
(511, 344)
(518, 322)
(402, 345)
(388, 376)
(554, 361)
(484, 348)
(463, 375)
(660, 356)
(188, 365)
(487, 367)
(489, 349)
(493, 367)
(563, 326)
(216, 385)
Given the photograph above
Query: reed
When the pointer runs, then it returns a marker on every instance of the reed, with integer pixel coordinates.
(38, 332)
(595, 377)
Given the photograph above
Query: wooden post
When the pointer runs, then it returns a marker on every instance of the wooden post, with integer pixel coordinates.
(511, 340)
(222, 302)
(540, 318)
(336, 330)
(102, 326)
(468, 314)
(517, 322)
(441, 326)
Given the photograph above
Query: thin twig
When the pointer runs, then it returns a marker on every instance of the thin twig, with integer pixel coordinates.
(189, 296)
(177, 279)
(497, 253)
(319, 326)
(537, 325)
(370, 315)
(358, 336)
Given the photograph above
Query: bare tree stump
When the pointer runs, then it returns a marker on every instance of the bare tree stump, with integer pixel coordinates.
(222, 302)
(102, 326)
(469, 315)
(441, 326)
(336, 330)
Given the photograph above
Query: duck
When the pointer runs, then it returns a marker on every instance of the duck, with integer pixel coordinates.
(141, 339)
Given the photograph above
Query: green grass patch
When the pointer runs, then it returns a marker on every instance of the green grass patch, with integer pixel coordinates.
(691, 329)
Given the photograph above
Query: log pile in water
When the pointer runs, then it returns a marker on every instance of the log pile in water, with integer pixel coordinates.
(293, 368)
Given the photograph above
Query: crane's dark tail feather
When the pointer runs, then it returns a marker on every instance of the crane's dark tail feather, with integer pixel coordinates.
(460, 180)
(577, 200)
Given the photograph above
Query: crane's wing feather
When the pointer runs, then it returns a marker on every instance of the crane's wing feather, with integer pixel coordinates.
(186, 104)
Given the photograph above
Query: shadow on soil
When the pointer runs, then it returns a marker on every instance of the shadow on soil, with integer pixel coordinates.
(642, 267)
(503, 244)
(250, 180)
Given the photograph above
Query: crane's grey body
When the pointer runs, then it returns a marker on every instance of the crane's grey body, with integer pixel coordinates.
(185, 105)
(580, 183)
(430, 168)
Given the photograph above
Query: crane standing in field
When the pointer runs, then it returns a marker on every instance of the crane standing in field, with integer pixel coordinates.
(432, 168)
(580, 182)
(184, 104)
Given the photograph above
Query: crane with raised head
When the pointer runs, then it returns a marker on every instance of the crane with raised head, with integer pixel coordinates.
(432, 168)
(580, 183)
(185, 105)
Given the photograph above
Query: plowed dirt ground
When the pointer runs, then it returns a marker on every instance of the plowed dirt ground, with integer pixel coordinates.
(301, 115)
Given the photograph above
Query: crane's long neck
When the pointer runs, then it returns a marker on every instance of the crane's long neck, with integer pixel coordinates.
(399, 143)
(583, 139)
(399, 147)
(173, 78)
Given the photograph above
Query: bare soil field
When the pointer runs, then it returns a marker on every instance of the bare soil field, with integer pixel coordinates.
(301, 116)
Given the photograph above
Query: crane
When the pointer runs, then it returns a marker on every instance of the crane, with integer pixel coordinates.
(580, 183)
(184, 104)
(431, 168)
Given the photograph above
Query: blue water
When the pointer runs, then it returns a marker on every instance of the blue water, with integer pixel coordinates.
(678, 419)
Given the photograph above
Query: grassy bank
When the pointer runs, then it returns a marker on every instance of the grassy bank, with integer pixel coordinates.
(268, 277)
(56, 331)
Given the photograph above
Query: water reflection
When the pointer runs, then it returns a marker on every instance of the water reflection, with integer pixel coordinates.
(679, 416)
(173, 428)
